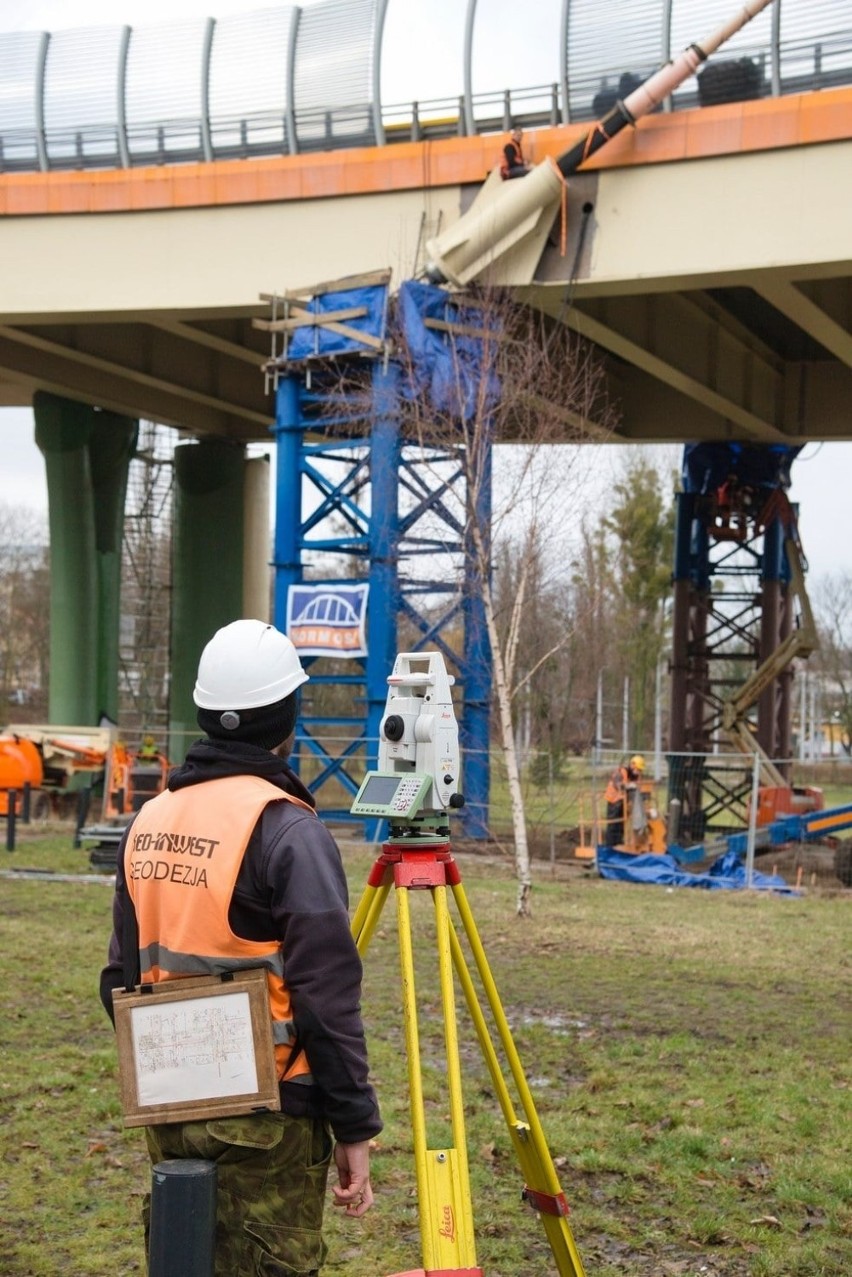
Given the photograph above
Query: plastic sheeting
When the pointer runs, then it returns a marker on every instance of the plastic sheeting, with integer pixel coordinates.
(727, 872)
(447, 369)
(706, 466)
(313, 340)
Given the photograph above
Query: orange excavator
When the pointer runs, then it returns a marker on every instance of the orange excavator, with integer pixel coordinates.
(58, 764)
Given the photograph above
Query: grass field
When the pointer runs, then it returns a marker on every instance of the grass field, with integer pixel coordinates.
(688, 1051)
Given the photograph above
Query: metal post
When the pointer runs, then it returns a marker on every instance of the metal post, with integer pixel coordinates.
(625, 715)
(658, 724)
(288, 495)
(182, 1242)
(552, 805)
(84, 797)
(11, 812)
(287, 544)
(752, 821)
(599, 720)
(384, 603)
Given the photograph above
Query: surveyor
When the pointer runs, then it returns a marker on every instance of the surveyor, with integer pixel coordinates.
(269, 891)
(622, 784)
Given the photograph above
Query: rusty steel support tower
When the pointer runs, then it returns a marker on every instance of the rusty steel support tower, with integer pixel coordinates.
(732, 625)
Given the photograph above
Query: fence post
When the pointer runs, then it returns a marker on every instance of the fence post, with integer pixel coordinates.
(552, 806)
(182, 1240)
(752, 822)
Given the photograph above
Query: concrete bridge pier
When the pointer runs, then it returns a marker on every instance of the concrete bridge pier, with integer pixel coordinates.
(207, 566)
(87, 453)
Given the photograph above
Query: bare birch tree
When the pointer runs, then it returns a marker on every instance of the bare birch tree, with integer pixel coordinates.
(833, 660)
(530, 386)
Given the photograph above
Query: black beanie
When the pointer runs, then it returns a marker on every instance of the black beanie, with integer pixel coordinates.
(267, 726)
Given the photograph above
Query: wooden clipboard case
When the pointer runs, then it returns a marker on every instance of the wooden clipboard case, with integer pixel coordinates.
(196, 1048)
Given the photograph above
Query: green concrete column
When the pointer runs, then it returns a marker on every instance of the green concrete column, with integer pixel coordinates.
(111, 447)
(87, 454)
(207, 567)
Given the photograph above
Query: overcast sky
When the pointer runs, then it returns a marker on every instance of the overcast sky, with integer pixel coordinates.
(430, 33)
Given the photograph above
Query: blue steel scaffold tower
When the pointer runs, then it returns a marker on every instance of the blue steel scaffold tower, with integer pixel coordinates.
(357, 501)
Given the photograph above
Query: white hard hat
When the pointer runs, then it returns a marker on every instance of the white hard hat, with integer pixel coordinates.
(247, 664)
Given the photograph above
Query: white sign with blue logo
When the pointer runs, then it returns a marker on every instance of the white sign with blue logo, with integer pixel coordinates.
(327, 619)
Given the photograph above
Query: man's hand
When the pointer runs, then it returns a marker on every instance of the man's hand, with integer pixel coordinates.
(354, 1191)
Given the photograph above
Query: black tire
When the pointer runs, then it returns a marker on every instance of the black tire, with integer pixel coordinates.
(843, 862)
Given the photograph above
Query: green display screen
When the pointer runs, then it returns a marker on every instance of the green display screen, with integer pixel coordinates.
(390, 794)
(379, 790)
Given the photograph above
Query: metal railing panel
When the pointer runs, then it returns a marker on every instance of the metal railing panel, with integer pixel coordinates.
(741, 70)
(334, 74)
(287, 78)
(610, 51)
(248, 83)
(80, 117)
(502, 54)
(815, 44)
(164, 96)
(21, 53)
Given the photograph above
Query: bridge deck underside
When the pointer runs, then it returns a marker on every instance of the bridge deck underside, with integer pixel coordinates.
(718, 291)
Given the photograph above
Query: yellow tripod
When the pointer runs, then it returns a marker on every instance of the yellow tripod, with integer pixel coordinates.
(443, 1182)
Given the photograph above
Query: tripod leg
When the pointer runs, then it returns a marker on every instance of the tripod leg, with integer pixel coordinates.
(446, 1215)
(367, 914)
(542, 1186)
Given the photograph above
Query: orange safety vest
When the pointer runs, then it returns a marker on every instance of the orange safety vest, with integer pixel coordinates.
(616, 789)
(183, 855)
(519, 158)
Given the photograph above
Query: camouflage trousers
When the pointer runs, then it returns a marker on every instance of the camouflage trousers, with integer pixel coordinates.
(271, 1172)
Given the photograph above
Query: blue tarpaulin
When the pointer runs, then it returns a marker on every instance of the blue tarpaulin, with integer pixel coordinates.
(727, 873)
(313, 339)
(706, 466)
(447, 368)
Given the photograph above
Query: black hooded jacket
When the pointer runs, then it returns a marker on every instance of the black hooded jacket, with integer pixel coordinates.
(292, 888)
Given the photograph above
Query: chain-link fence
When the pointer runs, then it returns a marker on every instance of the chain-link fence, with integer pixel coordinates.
(686, 799)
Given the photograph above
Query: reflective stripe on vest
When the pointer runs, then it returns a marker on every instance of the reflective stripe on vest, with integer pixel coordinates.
(181, 863)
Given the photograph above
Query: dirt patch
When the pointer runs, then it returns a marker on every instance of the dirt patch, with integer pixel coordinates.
(803, 864)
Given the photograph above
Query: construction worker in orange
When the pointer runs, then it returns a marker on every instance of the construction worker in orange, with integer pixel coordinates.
(514, 164)
(619, 791)
(268, 891)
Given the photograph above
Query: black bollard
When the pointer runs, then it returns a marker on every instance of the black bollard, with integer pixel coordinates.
(11, 816)
(84, 797)
(182, 1241)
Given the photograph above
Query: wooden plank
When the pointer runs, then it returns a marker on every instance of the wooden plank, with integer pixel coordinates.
(368, 280)
(307, 319)
(461, 329)
(343, 330)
